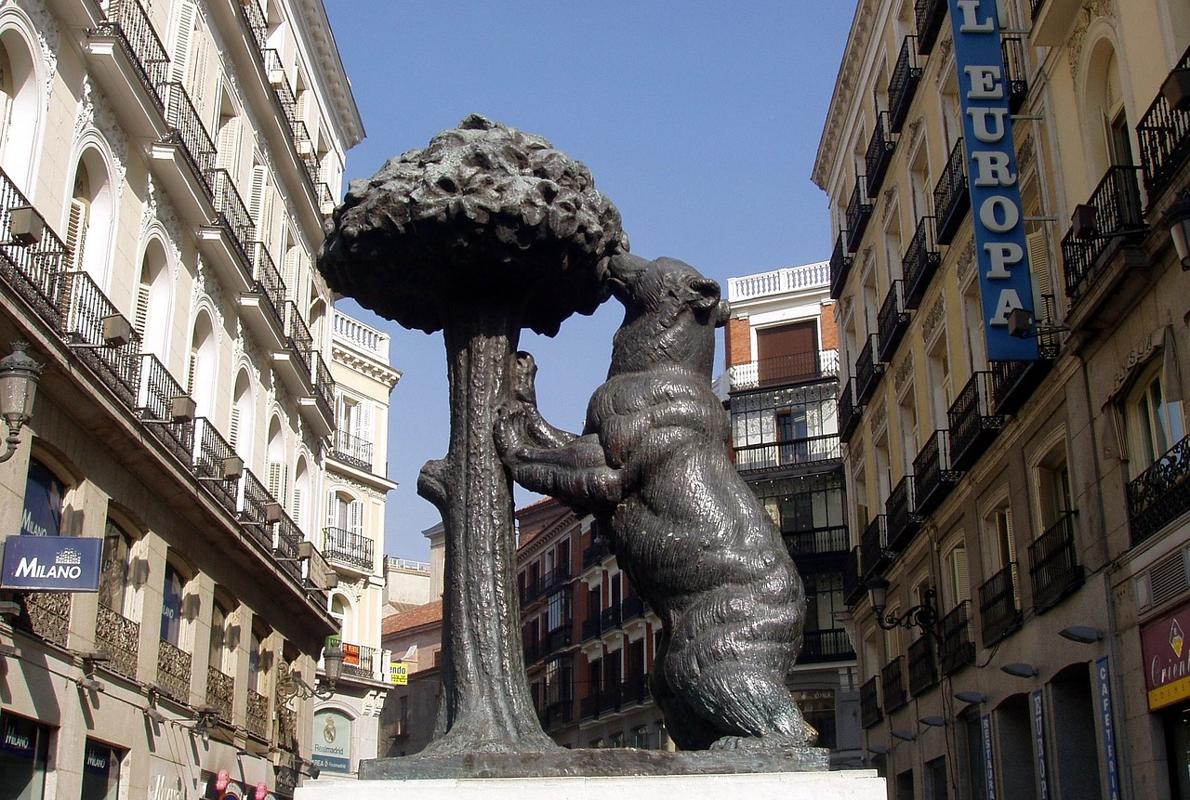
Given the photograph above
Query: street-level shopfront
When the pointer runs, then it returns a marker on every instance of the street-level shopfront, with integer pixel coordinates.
(1165, 647)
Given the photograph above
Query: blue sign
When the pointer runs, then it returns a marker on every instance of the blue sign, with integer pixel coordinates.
(989, 763)
(992, 177)
(51, 563)
(1103, 682)
(1037, 706)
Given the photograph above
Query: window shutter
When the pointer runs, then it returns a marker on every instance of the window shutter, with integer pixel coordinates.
(340, 412)
(958, 574)
(296, 505)
(76, 232)
(256, 195)
(198, 77)
(355, 517)
(1039, 265)
(233, 432)
(229, 146)
(332, 506)
(277, 481)
(365, 423)
(191, 365)
(142, 309)
(183, 43)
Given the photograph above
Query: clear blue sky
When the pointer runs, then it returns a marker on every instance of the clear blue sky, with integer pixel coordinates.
(698, 118)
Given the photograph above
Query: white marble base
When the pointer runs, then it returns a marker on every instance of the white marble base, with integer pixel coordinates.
(844, 785)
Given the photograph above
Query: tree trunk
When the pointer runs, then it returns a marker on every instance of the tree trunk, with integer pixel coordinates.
(485, 703)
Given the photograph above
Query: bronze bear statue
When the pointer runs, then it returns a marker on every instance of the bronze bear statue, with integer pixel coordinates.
(652, 467)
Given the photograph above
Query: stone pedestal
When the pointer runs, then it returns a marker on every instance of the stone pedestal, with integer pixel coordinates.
(846, 785)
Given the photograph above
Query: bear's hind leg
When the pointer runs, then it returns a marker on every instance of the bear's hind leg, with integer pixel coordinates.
(755, 705)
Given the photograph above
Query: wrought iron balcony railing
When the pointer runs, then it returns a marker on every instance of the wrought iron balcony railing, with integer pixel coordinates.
(632, 607)
(346, 547)
(588, 706)
(813, 451)
(1113, 214)
(1013, 382)
(951, 198)
(923, 666)
(869, 703)
(173, 671)
(929, 15)
(609, 618)
(210, 459)
(32, 269)
(157, 391)
(287, 541)
(869, 369)
(353, 450)
(817, 541)
(88, 318)
(902, 519)
(902, 85)
(999, 610)
(787, 370)
(853, 588)
(875, 555)
(841, 260)
(920, 263)
(1016, 75)
(892, 321)
(1164, 137)
(892, 685)
(933, 475)
(1053, 564)
(1160, 494)
(257, 716)
(118, 638)
(859, 213)
(301, 343)
(879, 153)
(268, 281)
(849, 411)
(956, 648)
(253, 509)
(233, 214)
(360, 660)
(610, 697)
(635, 689)
(557, 639)
(128, 23)
(591, 627)
(189, 132)
(324, 385)
(973, 422)
(830, 644)
(595, 552)
(220, 694)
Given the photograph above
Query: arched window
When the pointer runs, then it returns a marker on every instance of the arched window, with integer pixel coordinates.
(1155, 423)
(1108, 135)
(340, 609)
(345, 512)
(317, 319)
(301, 494)
(89, 220)
(241, 434)
(44, 493)
(115, 579)
(153, 291)
(228, 137)
(200, 373)
(278, 466)
(20, 108)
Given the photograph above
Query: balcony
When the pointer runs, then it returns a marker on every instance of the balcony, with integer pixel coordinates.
(173, 672)
(859, 213)
(923, 666)
(287, 545)
(610, 618)
(212, 463)
(934, 478)
(875, 555)
(821, 646)
(830, 541)
(293, 363)
(591, 627)
(879, 154)
(1160, 494)
(632, 607)
(532, 651)
(1016, 75)
(869, 703)
(854, 589)
(951, 198)
(321, 414)
(88, 319)
(1052, 21)
(557, 714)
(183, 158)
(557, 639)
(352, 450)
(841, 260)
(903, 84)
(849, 412)
(225, 243)
(348, 549)
(892, 321)
(358, 336)
(595, 553)
(929, 15)
(361, 661)
(555, 579)
(588, 706)
(33, 272)
(973, 423)
(220, 694)
(1053, 564)
(129, 63)
(1111, 218)
(261, 308)
(118, 638)
(45, 615)
(956, 649)
(998, 607)
(868, 371)
(901, 516)
(1164, 136)
(635, 690)
(1013, 382)
(257, 716)
(802, 455)
(154, 400)
(892, 685)
(255, 506)
(610, 697)
(785, 370)
(920, 263)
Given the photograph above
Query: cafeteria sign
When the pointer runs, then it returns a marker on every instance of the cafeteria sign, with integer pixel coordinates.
(51, 563)
(1004, 282)
(400, 673)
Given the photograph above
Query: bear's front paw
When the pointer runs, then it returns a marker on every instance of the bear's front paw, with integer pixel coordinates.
(508, 429)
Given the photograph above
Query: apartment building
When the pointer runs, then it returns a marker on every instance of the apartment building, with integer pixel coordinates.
(782, 360)
(164, 171)
(1020, 581)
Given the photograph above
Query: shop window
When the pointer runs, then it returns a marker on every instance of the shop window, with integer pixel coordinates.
(971, 754)
(43, 502)
(1155, 423)
(904, 785)
(1177, 737)
(24, 757)
(101, 771)
(1014, 749)
(936, 779)
(818, 707)
(1075, 755)
(115, 584)
(171, 606)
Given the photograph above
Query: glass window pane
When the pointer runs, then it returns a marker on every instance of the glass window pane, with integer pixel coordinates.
(24, 749)
(43, 502)
(171, 606)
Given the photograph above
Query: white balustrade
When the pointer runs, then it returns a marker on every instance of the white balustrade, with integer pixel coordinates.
(363, 337)
(785, 279)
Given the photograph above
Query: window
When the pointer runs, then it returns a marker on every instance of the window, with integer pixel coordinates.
(220, 638)
(114, 583)
(790, 414)
(954, 585)
(1155, 423)
(787, 352)
(43, 502)
(818, 707)
(558, 610)
(256, 660)
(824, 600)
(101, 771)
(24, 757)
(171, 606)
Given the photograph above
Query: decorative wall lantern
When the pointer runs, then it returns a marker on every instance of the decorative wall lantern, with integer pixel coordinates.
(1177, 89)
(1177, 219)
(19, 374)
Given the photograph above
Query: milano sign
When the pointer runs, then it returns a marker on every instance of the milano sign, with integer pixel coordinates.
(1004, 282)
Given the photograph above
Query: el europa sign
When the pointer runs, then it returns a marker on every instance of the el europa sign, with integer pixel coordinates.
(51, 563)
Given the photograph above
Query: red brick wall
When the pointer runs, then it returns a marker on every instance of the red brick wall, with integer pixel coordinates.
(737, 342)
(830, 327)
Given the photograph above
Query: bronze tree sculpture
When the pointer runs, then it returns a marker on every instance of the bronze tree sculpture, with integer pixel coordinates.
(484, 232)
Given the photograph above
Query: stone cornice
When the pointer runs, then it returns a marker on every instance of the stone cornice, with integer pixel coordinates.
(842, 99)
(367, 366)
(330, 67)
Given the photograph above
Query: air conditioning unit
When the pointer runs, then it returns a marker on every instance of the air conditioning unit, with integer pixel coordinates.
(1165, 580)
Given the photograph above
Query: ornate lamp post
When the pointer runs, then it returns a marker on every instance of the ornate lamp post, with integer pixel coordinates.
(923, 616)
(19, 374)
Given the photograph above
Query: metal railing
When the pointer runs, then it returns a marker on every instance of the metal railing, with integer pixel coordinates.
(933, 476)
(956, 648)
(951, 198)
(1161, 493)
(928, 15)
(86, 310)
(609, 618)
(901, 519)
(869, 703)
(324, 386)
(868, 370)
(1035, 8)
(595, 552)
(892, 321)
(632, 607)
(610, 697)
(1164, 137)
(157, 391)
(253, 508)
(830, 644)
(287, 540)
(127, 21)
(352, 449)
(804, 367)
(591, 626)
(33, 270)
(233, 214)
(173, 671)
(1112, 214)
(257, 716)
(854, 589)
(211, 453)
(1053, 563)
(973, 423)
(879, 153)
(189, 132)
(301, 343)
(840, 264)
(119, 639)
(254, 17)
(1014, 381)
(849, 411)
(347, 547)
(220, 694)
(360, 660)
(859, 212)
(892, 684)
(874, 552)
(906, 75)
(783, 455)
(998, 608)
(268, 282)
(817, 542)
(921, 262)
(1016, 71)
(923, 666)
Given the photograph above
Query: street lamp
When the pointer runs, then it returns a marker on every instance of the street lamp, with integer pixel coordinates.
(923, 616)
(19, 374)
(332, 664)
(1177, 219)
